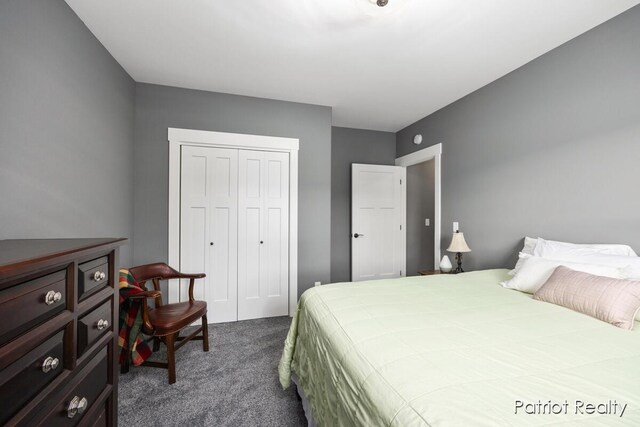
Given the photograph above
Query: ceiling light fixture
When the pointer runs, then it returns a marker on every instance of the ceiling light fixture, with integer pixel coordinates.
(381, 3)
(381, 8)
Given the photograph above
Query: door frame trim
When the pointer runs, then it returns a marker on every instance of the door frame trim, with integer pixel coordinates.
(178, 137)
(433, 152)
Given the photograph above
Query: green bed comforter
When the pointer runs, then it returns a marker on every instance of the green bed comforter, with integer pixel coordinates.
(457, 351)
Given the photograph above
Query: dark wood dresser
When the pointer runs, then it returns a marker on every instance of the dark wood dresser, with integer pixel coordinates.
(58, 332)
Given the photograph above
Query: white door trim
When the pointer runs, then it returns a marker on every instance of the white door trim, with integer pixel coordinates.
(433, 152)
(179, 137)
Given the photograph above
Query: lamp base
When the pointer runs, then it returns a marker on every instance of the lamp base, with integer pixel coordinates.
(459, 268)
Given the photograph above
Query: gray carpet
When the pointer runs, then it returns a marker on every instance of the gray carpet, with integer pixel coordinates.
(234, 384)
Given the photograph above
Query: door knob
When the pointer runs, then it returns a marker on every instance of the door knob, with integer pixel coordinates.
(358, 235)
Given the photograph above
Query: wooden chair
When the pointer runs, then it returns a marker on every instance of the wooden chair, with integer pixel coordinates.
(165, 321)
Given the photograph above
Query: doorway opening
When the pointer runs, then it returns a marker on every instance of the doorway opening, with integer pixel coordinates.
(426, 159)
(420, 210)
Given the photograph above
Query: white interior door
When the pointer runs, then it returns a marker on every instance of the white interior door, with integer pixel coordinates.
(263, 234)
(378, 232)
(209, 227)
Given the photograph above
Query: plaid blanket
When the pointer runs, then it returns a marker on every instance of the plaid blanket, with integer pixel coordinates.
(131, 321)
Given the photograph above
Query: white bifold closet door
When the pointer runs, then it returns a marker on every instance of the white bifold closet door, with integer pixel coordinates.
(263, 234)
(234, 226)
(209, 228)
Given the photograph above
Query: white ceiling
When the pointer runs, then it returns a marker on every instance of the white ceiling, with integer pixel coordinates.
(378, 68)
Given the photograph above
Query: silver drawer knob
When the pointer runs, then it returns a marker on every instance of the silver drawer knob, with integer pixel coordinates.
(82, 405)
(52, 297)
(50, 364)
(77, 406)
(99, 275)
(102, 324)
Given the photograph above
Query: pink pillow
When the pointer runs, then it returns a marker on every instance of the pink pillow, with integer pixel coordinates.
(615, 301)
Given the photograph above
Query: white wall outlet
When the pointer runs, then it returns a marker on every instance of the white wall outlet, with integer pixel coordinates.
(455, 227)
(427, 222)
(317, 284)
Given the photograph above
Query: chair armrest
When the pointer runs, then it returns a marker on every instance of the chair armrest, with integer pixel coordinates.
(191, 276)
(146, 294)
(145, 308)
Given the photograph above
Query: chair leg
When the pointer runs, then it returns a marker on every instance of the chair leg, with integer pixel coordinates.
(170, 341)
(156, 344)
(205, 334)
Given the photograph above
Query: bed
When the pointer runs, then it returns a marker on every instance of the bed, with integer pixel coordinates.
(457, 350)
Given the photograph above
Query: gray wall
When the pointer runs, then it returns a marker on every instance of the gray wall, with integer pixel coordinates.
(420, 205)
(351, 146)
(66, 128)
(550, 150)
(161, 107)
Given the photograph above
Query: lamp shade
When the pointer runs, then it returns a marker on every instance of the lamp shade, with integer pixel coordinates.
(458, 244)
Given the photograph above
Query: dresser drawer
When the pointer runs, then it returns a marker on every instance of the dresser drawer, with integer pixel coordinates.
(27, 376)
(74, 404)
(92, 276)
(101, 418)
(30, 303)
(94, 325)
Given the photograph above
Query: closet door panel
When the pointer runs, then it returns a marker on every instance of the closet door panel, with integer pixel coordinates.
(222, 288)
(250, 220)
(222, 298)
(253, 175)
(198, 259)
(274, 253)
(277, 229)
(210, 178)
(251, 262)
(263, 230)
(224, 250)
(194, 215)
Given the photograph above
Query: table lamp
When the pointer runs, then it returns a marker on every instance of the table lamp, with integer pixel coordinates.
(458, 245)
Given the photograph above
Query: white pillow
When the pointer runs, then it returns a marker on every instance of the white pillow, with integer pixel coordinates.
(629, 265)
(527, 249)
(553, 250)
(535, 271)
(529, 245)
(550, 249)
